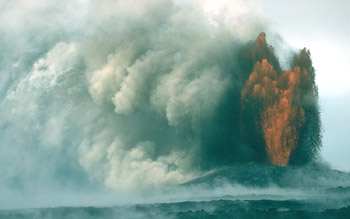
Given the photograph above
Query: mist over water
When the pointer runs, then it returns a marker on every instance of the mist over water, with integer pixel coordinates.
(118, 100)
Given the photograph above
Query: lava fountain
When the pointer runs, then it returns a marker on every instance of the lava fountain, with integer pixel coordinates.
(275, 100)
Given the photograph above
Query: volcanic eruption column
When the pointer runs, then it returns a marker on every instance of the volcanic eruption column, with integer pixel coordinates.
(276, 102)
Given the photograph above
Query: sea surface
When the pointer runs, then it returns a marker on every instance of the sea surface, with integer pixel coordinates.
(242, 191)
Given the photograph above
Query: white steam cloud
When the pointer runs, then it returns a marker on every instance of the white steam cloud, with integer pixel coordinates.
(112, 92)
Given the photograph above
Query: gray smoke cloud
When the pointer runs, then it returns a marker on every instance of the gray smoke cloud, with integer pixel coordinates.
(124, 95)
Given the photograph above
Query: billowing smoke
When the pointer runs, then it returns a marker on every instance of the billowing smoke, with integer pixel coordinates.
(142, 94)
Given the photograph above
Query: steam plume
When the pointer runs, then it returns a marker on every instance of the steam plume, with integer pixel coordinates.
(148, 94)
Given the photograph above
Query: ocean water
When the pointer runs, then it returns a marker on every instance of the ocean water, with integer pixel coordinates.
(241, 191)
(205, 209)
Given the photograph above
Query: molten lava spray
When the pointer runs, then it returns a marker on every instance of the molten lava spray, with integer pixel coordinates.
(275, 100)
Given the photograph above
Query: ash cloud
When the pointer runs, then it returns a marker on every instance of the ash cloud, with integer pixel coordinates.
(127, 95)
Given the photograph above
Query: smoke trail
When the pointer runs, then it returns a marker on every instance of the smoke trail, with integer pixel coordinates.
(139, 95)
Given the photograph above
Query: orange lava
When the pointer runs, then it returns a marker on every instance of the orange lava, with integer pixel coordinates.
(278, 98)
(281, 120)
